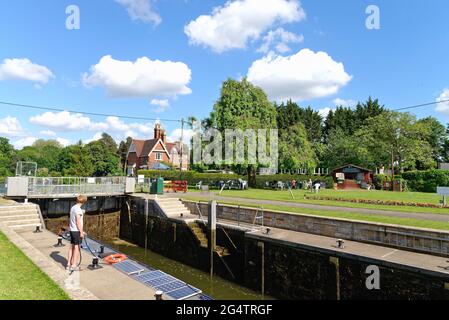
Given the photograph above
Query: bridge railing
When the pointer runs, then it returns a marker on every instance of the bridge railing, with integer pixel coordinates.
(75, 185)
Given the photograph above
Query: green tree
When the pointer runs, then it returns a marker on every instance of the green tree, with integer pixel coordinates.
(342, 149)
(394, 137)
(437, 137)
(242, 106)
(123, 151)
(75, 161)
(104, 161)
(295, 150)
(7, 155)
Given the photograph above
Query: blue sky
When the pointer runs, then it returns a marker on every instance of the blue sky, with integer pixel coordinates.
(320, 53)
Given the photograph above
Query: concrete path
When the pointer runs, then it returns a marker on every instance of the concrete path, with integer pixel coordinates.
(426, 263)
(396, 214)
(106, 283)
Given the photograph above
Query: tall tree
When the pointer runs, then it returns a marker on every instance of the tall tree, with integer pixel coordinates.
(123, 151)
(436, 136)
(242, 106)
(394, 137)
(295, 150)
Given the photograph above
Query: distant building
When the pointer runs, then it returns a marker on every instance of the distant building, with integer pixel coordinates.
(145, 154)
(352, 177)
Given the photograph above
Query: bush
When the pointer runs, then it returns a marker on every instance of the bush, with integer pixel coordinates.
(379, 180)
(261, 180)
(426, 181)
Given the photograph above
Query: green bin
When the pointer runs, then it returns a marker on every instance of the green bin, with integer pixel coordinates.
(157, 186)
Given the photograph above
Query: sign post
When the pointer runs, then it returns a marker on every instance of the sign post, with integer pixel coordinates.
(443, 191)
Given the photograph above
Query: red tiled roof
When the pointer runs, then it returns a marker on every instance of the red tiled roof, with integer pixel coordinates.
(148, 146)
(139, 146)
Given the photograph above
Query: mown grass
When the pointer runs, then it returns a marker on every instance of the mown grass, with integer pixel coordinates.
(285, 196)
(408, 222)
(20, 279)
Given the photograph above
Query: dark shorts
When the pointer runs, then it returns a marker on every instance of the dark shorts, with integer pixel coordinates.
(75, 237)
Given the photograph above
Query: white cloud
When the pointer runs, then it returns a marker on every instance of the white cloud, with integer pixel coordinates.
(24, 69)
(344, 103)
(66, 121)
(48, 133)
(142, 78)
(96, 137)
(11, 127)
(324, 112)
(25, 142)
(280, 39)
(162, 105)
(234, 24)
(141, 10)
(63, 142)
(305, 75)
(176, 135)
(443, 107)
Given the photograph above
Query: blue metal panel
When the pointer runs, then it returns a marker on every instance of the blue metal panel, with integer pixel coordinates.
(171, 286)
(183, 293)
(129, 267)
(150, 275)
(160, 281)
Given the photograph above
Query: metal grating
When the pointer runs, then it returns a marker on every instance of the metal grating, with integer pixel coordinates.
(129, 267)
(184, 293)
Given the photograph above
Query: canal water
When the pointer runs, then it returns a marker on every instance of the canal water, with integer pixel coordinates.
(215, 287)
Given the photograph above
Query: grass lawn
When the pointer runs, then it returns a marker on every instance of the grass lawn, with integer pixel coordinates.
(285, 196)
(20, 279)
(343, 215)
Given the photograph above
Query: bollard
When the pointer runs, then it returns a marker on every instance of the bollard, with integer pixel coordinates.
(158, 295)
(38, 229)
(268, 230)
(101, 249)
(60, 244)
(340, 243)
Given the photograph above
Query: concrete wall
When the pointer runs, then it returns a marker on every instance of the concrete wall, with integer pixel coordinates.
(282, 270)
(297, 273)
(415, 239)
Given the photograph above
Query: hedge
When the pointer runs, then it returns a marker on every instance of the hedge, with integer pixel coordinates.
(426, 181)
(211, 178)
(191, 176)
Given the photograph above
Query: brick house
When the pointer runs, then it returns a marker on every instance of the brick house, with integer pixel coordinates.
(144, 154)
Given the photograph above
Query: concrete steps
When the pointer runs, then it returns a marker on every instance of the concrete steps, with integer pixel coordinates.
(21, 217)
(172, 207)
(199, 234)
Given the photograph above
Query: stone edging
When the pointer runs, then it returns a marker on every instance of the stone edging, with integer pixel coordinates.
(55, 273)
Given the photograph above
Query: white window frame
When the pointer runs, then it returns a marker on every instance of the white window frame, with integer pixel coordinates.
(158, 156)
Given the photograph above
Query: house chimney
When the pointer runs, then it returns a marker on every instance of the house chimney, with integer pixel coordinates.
(157, 131)
(163, 135)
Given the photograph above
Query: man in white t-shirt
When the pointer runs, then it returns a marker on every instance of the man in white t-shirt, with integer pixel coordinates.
(76, 232)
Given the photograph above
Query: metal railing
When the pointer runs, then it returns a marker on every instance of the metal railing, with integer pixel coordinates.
(64, 186)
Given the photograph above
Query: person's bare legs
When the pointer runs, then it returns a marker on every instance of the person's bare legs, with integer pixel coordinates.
(75, 256)
(69, 257)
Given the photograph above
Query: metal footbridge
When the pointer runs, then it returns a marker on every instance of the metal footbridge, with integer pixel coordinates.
(68, 187)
